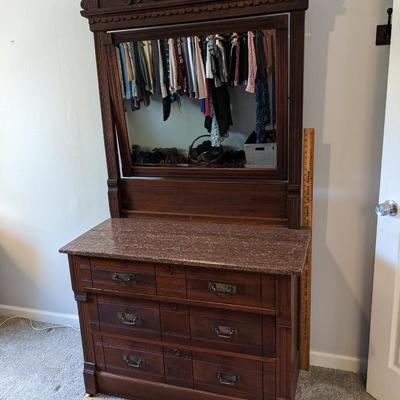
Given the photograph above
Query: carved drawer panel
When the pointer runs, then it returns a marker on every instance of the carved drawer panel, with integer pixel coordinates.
(171, 281)
(132, 359)
(130, 317)
(175, 323)
(233, 331)
(178, 367)
(228, 376)
(224, 287)
(124, 277)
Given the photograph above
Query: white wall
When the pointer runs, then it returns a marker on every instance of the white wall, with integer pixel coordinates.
(52, 167)
(345, 92)
(52, 164)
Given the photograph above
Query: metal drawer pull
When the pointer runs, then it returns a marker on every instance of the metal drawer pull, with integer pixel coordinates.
(123, 279)
(132, 361)
(227, 379)
(130, 319)
(222, 289)
(225, 332)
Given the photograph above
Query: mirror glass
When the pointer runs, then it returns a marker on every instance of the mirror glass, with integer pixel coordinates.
(201, 101)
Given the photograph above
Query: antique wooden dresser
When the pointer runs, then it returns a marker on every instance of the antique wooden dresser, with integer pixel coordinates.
(191, 289)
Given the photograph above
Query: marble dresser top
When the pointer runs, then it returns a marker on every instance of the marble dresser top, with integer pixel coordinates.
(235, 246)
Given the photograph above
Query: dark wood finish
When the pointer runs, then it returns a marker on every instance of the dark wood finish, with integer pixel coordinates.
(184, 344)
(135, 360)
(157, 322)
(171, 281)
(110, 141)
(296, 117)
(248, 376)
(124, 277)
(178, 366)
(129, 317)
(264, 200)
(246, 287)
(175, 323)
(121, 14)
(229, 330)
(276, 205)
(277, 22)
(135, 389)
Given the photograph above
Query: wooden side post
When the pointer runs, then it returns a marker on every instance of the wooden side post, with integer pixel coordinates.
(305, 291)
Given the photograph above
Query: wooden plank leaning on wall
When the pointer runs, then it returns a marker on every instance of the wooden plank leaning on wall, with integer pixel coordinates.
(305, 291)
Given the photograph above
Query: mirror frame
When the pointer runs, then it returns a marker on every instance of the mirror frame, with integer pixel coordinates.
(279, 24)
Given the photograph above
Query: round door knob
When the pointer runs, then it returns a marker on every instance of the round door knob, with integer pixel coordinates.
(389, 207)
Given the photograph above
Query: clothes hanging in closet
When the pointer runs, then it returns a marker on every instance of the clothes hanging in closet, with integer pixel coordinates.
(203, 68)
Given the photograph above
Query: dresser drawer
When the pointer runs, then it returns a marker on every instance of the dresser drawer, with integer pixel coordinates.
(224, 287)
(228, 376)
(171, 281)
(178, 367)
(175, 323)
(227, 330)
(132, 317)
(124, 277)
(135, 360)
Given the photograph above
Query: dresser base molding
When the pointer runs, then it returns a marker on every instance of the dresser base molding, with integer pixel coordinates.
(134, 389)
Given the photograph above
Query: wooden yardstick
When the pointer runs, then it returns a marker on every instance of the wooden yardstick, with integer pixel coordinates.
(305, 290)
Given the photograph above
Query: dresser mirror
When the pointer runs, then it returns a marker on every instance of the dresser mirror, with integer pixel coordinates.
(199, 99)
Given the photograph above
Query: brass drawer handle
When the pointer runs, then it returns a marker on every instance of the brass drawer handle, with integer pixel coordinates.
(130, 319)
(225, 332)
(227, 379)
(222, 289)
(123, 279)
(134, 362)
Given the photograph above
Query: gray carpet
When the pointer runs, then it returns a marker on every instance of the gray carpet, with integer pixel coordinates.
(48, 365)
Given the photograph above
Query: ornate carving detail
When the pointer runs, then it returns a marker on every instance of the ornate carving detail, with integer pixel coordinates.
(85, 4)
(194, 9)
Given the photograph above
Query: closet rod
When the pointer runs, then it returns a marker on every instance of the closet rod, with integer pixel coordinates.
(278, 22)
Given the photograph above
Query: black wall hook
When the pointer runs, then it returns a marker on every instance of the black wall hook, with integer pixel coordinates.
(384, 32)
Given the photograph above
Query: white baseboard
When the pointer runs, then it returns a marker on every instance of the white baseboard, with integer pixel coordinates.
(336, 361)
(40, 315)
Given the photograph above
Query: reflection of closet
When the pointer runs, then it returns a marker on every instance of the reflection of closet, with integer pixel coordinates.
(190, 291)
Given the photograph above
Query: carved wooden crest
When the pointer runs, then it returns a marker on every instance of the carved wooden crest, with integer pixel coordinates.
(126, 14)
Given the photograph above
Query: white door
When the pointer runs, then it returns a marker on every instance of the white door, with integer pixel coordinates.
(384, 352)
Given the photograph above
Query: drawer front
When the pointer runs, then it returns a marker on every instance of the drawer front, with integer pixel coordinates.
(130, 317)
(124, 277)
(175, 323)
(178, 367)
(268, 292)
(171, 281)
(226, 330)
(228, 376)
(224, 287)
(135, 360)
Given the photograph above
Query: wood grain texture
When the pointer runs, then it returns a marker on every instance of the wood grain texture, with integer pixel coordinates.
(110, 141)
(296, 117)
(135, 388)
(252, 200)
(248, 373)
(247, 287)
(181, 354)
(131, 14)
